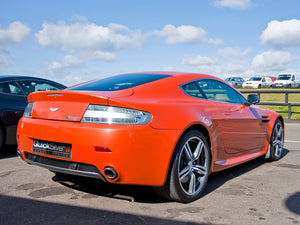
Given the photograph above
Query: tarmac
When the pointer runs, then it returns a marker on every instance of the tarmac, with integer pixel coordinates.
(256, 192)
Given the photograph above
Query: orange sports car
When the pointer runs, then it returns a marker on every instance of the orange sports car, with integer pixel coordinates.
(167, 130)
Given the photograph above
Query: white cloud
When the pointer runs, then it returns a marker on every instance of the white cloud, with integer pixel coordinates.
(214, 65)
(210, 69)
(88, 40)
(283, 34)
(88, 37)
(228, 61)
(69, 62)
(185, 34)
(229, 53)
(197, 60)
(232, 68)
(222, 70)
(103, 56)
(216, 42)
(234, 4)
(182, 34)
(271, 61)
(15, 33)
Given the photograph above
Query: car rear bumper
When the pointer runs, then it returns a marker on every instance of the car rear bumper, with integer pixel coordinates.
(138, 153)
(62, 166)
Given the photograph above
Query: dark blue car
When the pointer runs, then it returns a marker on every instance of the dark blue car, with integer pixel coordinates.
(13, 100)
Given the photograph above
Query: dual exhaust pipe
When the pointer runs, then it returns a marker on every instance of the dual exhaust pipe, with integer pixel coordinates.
(20, 154)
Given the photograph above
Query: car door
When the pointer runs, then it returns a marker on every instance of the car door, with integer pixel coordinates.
(293, 82)
(242, 126)
(263, 82)
(13, 103)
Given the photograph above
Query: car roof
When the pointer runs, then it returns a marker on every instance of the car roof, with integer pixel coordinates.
(182, 76)
(17, 77)
(20, 77)
(179, 78)
(177, 74)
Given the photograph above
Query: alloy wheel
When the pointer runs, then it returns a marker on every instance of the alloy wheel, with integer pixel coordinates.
(193, 166)
(277, 140)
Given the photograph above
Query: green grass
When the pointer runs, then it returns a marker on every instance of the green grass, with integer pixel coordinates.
(283, 110)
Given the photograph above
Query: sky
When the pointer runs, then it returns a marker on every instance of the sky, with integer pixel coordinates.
(72, 41)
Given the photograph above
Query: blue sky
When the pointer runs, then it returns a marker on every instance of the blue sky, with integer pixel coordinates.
(75, 41)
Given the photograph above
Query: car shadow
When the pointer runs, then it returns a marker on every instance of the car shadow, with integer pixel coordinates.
(132, 193)
(30, 211)
(8, 151)
(218, 179)
(146, 194)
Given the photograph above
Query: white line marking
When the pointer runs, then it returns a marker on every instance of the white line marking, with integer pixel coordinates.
(291, 141)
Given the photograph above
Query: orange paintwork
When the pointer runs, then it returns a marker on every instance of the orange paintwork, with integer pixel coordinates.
(141, 154)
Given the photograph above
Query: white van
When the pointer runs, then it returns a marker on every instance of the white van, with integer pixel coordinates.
(286, 81)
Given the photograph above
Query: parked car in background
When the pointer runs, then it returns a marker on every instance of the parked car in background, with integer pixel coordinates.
(167, 130)
(235, 81)
(258, 82)
(286, 81)
(13, 100)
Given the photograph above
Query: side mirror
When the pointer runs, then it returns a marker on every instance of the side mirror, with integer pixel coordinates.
(252, 99)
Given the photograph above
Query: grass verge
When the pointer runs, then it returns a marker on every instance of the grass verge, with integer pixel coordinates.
(278, 97)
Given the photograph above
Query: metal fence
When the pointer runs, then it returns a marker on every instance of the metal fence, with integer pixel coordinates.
(286, 103)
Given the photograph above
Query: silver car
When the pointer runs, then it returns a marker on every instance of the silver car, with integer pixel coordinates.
(235, 81)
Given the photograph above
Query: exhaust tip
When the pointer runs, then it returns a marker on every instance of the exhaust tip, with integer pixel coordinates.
(110, 173)
(19, 154)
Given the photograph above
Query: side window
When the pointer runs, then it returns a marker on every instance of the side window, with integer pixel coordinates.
(218, 91)
(32, 86)
(193, 90)
(10, 88)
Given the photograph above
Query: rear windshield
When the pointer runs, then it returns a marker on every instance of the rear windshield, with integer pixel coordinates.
(119, 82)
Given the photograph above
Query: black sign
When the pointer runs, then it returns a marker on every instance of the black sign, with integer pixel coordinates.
(60, 150)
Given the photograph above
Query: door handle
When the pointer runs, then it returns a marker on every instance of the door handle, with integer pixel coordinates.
(265, 119)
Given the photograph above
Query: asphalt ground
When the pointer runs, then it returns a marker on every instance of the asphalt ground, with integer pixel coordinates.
(256, 192)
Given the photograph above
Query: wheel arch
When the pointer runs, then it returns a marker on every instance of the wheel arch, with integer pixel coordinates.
(207, 136)
(282, 121)
(198, 127)
(202, 129)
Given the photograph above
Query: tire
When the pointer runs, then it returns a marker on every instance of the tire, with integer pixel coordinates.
(189, 169)
(2, 137)
(276, 142)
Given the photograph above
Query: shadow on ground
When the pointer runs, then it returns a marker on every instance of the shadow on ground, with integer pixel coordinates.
(293, 203)
(146, 194)
(14, 210)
